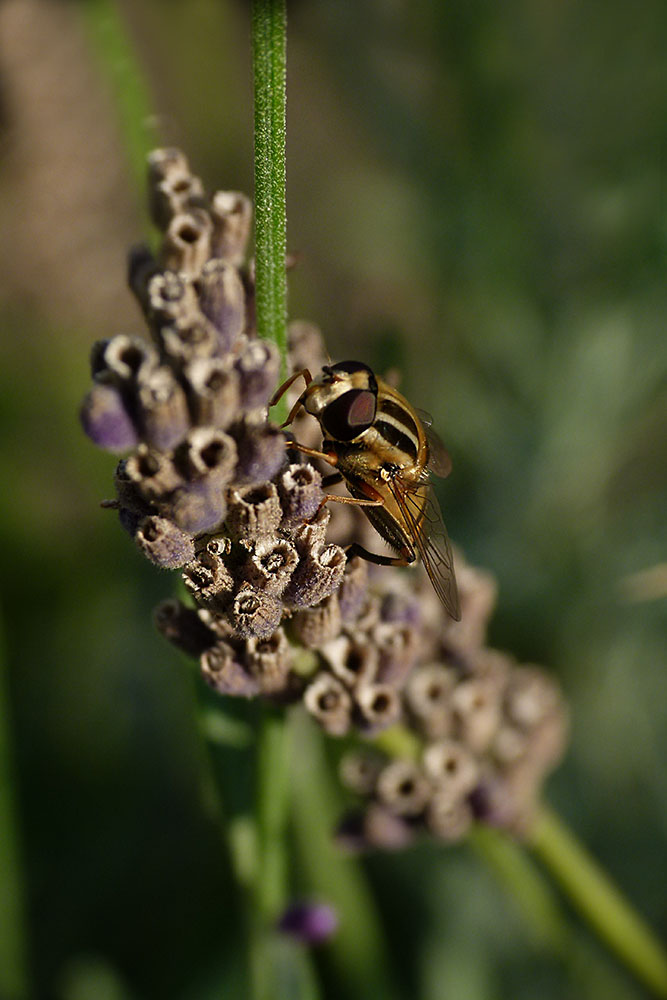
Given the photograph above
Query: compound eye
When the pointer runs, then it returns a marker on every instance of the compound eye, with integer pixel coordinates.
(349, 415)
(349, 367)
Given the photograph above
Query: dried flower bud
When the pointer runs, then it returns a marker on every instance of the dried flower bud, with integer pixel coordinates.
(398, 647)
(300, 489)
(530, 697)
(402, 787)
(152, 473)
(218, 625)
(206, 451)
(261, 452)
(162, 410)
(269, 660)
(271, 565)
(122, 359)
(378, 706)
(492, 802)
(400, 609)
(317, 576)
(510, 745)
(310, 537)
(315, 626)
(477, 592)
(222, 300)
(129, 520)
(188, 339)
(177, 193)
(547, 745)
(476, 712)
(451, 766)
(353, 660)
(447, 818)
(258, 368)
(353, 588)
(385, 830)
(141, 267)
(171, 299)
(328, 701)
(209, 581)
(213, 391)
(167, 161)
(490, 665)
(369, 615)
(231, 213)
(106, 421)
(254, 512)
(198, 507)
(255, 614)
(359, 771)
(128, 494)
(183, 627)
(376, 827)
(428, 698)
(187, 242)
(222, 671)
(310, 923)
(164, 543)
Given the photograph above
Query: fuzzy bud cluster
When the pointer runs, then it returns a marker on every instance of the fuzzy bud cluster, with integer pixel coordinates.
(489, 730)
(206, 484)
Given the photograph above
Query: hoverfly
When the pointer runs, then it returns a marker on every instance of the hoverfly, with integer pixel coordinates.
(384, 451)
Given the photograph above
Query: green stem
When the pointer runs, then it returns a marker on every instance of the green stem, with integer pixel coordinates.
(273, 963)
(269, 32)
(599, 901)
(13, 949)
(521, 877)
(357, 951)
(272, 812)
(274, 968)
(606, 910)
(125, 79)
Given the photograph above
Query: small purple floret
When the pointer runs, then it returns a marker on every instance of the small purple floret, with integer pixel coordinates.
(309, 922)
(106, 421)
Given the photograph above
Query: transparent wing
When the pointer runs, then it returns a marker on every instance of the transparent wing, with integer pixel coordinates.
(439, 462)
(426, 530)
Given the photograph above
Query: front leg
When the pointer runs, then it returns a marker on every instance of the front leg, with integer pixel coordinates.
(282, 389)
(330, 457)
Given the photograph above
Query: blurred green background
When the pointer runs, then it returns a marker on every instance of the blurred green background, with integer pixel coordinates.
(474, 192)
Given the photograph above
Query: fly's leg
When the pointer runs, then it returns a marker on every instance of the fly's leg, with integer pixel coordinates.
(374, 499)
(282, 389)
(406, 558)
(329, 457)
(359, 503)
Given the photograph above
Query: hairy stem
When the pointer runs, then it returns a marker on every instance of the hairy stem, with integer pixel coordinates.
(269, 32)
(273, 967)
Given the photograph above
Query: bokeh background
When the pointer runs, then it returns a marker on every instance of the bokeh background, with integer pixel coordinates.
(475, 197)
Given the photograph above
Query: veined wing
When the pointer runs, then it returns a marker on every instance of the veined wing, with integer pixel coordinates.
(426, 530)
(439, 461)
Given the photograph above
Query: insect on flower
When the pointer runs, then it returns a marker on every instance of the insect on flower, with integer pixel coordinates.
(384, 451)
